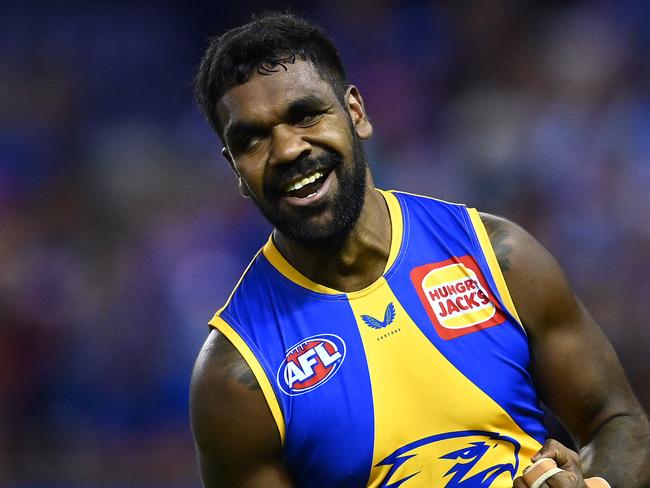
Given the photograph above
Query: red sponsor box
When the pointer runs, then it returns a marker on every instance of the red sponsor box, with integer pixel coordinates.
(456, 297)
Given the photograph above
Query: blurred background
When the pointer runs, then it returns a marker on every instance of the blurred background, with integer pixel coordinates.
(121, 230)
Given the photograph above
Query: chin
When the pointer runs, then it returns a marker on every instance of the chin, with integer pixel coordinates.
(314, 234)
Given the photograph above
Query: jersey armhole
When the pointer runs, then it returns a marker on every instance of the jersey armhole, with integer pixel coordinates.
(492, 262)
(256, 367)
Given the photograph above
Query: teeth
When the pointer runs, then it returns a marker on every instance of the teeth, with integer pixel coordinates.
(305, 181)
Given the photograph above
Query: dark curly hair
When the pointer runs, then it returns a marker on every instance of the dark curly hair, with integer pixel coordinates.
(264, 45)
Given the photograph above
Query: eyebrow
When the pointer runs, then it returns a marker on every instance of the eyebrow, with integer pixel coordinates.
(241, 128)
(304, 104)
(296, 108)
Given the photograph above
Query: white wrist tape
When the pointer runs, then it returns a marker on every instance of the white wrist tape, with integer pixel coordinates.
(544, 468)
(540, 471)
(597, 482)
(540, 481)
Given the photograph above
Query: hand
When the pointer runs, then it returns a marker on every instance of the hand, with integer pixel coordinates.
(566, 459)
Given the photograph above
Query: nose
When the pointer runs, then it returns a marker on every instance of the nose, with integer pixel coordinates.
(287, 144)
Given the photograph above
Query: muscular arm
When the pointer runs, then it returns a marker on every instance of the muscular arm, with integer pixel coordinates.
(575, 368)
(237, 441)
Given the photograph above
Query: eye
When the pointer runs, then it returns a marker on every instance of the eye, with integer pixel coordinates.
(248, 143)
(310, 119)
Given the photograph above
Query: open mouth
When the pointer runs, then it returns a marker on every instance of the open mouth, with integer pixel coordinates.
(307, 185)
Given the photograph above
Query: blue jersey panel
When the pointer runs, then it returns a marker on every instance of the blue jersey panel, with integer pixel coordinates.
(312, 353)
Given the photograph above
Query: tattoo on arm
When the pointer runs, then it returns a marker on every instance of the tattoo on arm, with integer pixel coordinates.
(499, 238)
(237, 368)
(240, 371)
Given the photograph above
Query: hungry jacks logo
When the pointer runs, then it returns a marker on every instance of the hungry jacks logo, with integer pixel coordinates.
(456, 297)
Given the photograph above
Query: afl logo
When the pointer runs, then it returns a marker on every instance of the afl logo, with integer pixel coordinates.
(310, 363)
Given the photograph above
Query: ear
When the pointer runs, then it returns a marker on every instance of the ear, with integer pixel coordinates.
(357, 112)
(243, 189)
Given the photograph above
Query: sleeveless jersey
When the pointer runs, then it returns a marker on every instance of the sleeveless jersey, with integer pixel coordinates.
(420, 379)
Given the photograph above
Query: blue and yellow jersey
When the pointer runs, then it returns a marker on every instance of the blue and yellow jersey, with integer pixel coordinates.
(420, 379)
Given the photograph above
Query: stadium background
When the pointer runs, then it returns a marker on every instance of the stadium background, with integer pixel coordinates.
(121, 229)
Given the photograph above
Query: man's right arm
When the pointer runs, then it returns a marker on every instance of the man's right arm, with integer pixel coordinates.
(236, 437)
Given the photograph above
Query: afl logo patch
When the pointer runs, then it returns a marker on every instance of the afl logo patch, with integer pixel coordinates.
(310, 363)
(456, 297)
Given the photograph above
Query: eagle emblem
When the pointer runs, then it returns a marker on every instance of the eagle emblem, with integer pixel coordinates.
(462, 459)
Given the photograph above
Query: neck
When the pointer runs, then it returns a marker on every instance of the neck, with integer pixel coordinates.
(353, 262)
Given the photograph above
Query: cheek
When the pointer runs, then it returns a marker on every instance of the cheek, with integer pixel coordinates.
(335, 134)
(251, 172)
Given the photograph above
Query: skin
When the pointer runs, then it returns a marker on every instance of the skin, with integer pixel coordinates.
(574, 367)
(347, 264)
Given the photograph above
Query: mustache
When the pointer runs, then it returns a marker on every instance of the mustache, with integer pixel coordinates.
(284, 175)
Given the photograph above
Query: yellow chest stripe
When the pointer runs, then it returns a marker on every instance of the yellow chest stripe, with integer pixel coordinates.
(418, 393)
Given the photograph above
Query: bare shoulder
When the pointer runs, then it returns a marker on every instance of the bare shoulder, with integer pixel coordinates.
(575, 368)
(220, 364)
(537, 284)
(235, 434)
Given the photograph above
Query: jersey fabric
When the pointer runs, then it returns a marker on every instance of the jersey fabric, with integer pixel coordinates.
(420, 379)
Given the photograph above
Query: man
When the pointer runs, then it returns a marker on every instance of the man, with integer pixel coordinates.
(381, 338)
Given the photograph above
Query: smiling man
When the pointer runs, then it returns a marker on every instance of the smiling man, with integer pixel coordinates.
(317, 197)
(382, 338)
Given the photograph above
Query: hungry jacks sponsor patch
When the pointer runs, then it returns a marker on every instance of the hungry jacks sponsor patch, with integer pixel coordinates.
(456, 297)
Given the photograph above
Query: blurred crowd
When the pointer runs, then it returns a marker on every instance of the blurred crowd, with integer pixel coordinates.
(121, 229)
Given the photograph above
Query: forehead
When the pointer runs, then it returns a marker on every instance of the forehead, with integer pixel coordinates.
(268, 95)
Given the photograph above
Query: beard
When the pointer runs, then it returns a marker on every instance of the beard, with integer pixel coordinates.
(298, 223)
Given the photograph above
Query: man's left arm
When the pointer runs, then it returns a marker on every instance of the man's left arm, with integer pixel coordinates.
(575, 368)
